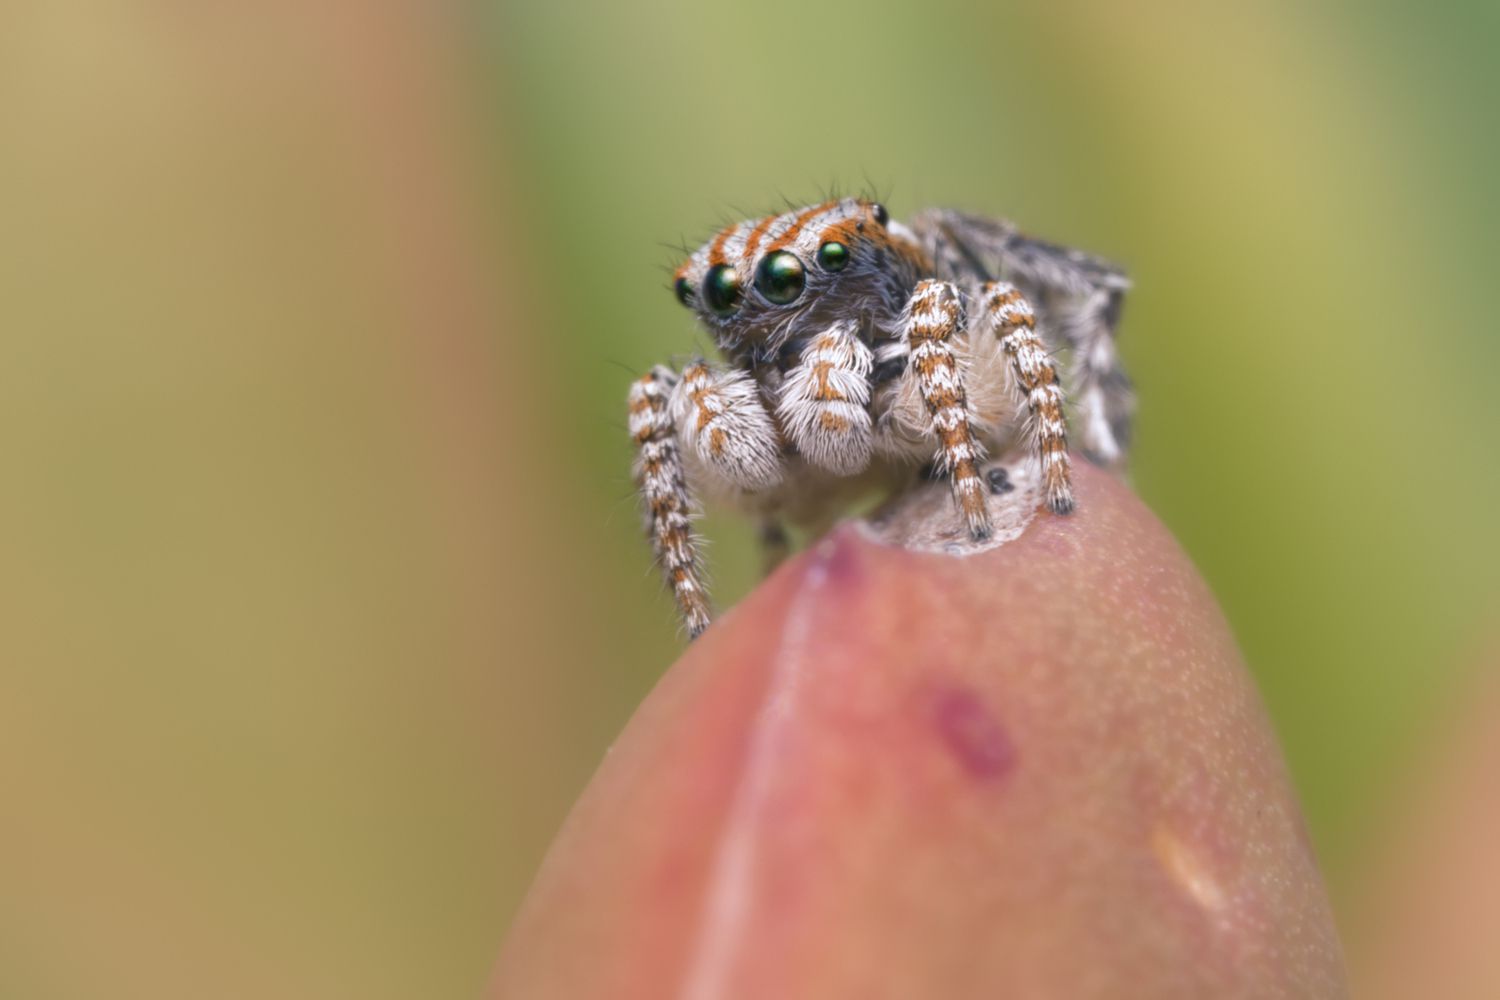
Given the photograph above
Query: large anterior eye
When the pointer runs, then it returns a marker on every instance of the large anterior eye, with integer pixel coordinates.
(684, 290)
(721, 290)
(780, 277)
(833, 256)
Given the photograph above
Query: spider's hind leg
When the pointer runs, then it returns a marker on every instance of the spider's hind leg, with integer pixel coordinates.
(1009, 317)
(1100, 386)
(1081, 299)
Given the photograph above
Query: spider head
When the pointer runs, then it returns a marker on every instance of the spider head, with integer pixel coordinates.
(761, 283)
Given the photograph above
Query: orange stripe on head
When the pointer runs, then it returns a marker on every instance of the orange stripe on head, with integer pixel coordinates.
(716, 252)
(845, 232)
(756, 235)
(806, 215)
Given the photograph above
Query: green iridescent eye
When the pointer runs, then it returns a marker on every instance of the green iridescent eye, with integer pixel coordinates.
(721, 290)
(780, 277)
(684, 291)
(833, 256)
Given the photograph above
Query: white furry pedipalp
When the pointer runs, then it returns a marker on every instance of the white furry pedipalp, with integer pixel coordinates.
(824, 400)
(722, 421)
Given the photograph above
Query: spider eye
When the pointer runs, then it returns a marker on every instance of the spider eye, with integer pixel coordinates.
(881, 215)
(685, 292)
(721, 290)
(833, 256)
(780, 277)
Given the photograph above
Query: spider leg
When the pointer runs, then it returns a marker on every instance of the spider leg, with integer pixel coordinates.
(823, 405)
(720, 418)
(775, 546)
(665, 496)
(1081, 298)
(1105, 395)
(933, 317)
(1006, 313)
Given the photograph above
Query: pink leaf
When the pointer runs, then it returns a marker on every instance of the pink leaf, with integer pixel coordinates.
(1041, 770)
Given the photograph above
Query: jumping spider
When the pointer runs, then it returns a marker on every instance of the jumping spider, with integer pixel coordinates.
(858, 350)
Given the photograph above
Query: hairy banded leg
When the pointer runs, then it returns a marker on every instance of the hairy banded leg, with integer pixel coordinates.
(1080, 297)
(721, 419)
(933, 316)
(1083, 296)
(665, 496)
(824, 399)
(1006, 313)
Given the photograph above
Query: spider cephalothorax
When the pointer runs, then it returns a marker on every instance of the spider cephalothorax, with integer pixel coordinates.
(859, 350)
(759, 284)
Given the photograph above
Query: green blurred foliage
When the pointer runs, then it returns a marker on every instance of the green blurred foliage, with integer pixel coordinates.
(1303, 195)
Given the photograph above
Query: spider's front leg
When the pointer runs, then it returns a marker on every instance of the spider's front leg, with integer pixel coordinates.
(664, 494)
(1007, 314)
(716, 416)
(933, 317)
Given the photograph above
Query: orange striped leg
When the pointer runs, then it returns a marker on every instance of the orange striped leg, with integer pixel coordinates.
(664, 494)
(1010, 316)
(933, 317)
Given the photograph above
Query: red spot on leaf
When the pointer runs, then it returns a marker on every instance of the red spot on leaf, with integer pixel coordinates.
(973, 735)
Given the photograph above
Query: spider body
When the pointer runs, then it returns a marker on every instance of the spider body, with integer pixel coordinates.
(858, 350)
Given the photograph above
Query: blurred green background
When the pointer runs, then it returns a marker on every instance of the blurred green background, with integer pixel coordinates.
(321, 592)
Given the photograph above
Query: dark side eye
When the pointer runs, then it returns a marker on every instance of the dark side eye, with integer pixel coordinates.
(721, 290)
(685, 293)
(780, 277)
(833, 256)
(881, 215)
